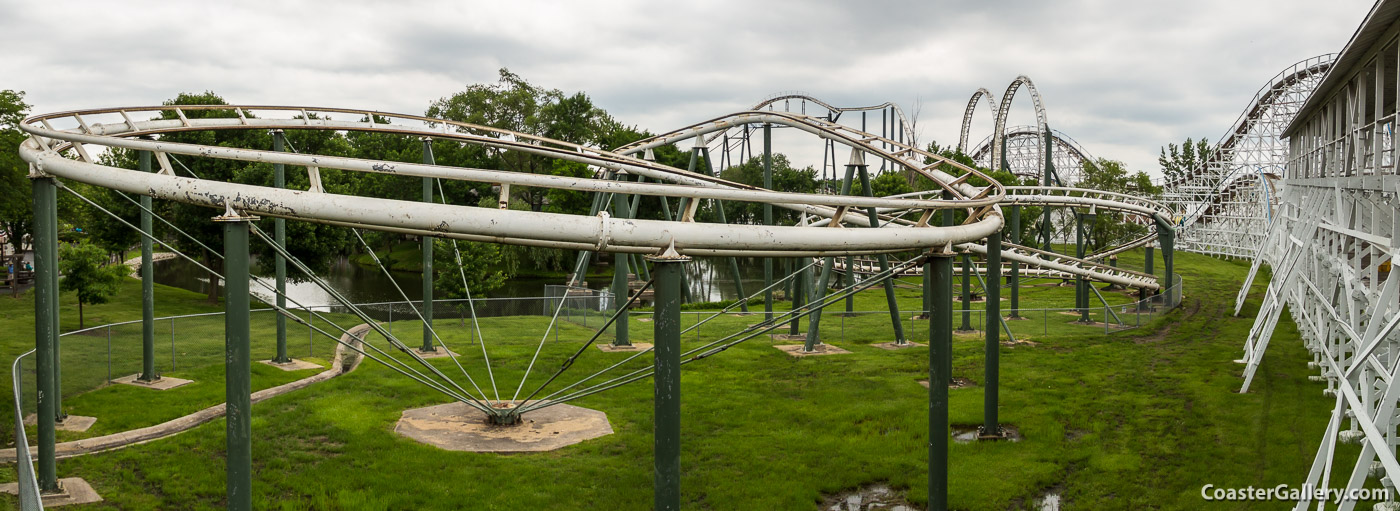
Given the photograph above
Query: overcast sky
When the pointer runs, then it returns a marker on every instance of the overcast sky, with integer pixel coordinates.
(1122, 78)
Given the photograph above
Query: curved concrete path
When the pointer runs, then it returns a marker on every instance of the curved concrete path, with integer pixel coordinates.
(343, 361)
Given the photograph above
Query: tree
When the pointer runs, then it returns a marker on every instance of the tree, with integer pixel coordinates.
(16, 204)
(1179, 162)
(84, 271)
(1109, 228)
(785, 179)
(480, 264)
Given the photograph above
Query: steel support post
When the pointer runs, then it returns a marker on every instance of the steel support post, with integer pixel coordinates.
(1166, 237)
(427, 309)
(799, 294)
(966, 293)
(1147, 263)
(863, 170)
(767, 219)
(940, 373)
(279, 235)
(992, 324)
(850, 282)
(668, 269)
(1015, 266)
(620, 290)
(148, 295)
(46, 324)
(237, 370)
(1081, 291)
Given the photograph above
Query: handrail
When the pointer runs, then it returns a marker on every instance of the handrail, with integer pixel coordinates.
(28, 484)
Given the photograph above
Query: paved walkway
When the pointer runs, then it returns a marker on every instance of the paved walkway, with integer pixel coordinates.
(344, 361)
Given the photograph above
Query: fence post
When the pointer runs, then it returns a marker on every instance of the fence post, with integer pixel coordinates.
(109, 353)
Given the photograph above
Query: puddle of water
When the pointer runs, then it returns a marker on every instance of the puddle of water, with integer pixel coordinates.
(874, 497)
(966, 435)
(1048, 502)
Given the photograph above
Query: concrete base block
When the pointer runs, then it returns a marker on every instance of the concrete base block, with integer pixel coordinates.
(438, 353)
(293, 365)
(164, 383)
(77, 423)
(458, 427)
(893, 346)
(818, 350)
(631, 348)
(72, 490)
(788, 337)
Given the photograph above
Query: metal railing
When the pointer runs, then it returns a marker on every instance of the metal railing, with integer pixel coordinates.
(28, 484)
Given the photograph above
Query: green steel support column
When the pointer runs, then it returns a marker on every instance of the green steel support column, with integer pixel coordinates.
(940, 373)
(733, 261)
(237, 371)
(928, 299)
(990, 425)
(850, 282)
(666, 365)
(46, 324)
(1081, 293)
(620, 290)
(966, 293)
(767, 220)
(279, 235)
(58, 412)
(427, 309)
(1166, 237)
(1147, 268)
(638, 261)
(148, 295)
(799, 293)
(863, 171)
(819, 293)
(1015, 266)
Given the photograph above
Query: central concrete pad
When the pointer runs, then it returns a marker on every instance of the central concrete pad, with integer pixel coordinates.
(437, 353)
(164, 383)
(458, 427)
(73, 490)
(818, 350)
(77, 423)
(293, 365)
(636, 346)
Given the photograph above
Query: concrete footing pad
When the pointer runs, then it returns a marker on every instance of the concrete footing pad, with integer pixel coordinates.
(74, 491)
(77, 423)
(818, 350)
(293, 365)
(634, 347)
(438, 353)
(164, 383)
(893, 346)
(458, 427)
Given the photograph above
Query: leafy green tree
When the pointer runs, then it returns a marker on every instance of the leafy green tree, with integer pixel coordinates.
(16, 203)
(785, 179)
(84, 270)
(1177, 162)
(480, 264)
(1110, 227)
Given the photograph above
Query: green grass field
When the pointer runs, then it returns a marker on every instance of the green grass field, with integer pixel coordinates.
(1132, 420)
